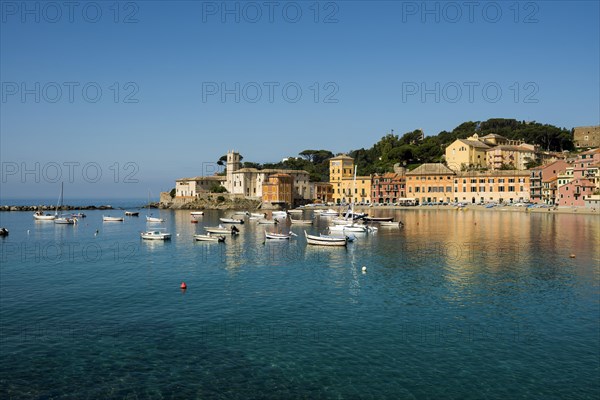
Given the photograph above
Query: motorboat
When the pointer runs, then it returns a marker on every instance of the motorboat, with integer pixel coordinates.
(78, 215)
(325, 240)
(221, 230)
(132, 213)
(154, 219)
(209, 238)
(231, 221)
(106, 218)
(40, 216)
(295, 211)
(155, 234)
(348, 228)
(196, 213)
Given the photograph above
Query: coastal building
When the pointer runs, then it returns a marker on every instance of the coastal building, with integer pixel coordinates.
(278, 190)
(322, 192)
(192, 187)
(586, 136)
(581, 180)
(576, 192)
(545, 181)
(430, 183)
(502, 186)
(341, 177)
(490, 151)
(388, 188)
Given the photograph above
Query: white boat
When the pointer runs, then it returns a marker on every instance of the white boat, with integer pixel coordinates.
(155, 235)
(221, 230)
(348, 228)
(60, 220)
(267, 221)
(295, 211)
(197, 213)
(209, 238)
(378, 219)
(325, 240)
(231, 221)
(258, 215)
(301, 221)
(329, 213)
(279, 214)
(40, 216)
(106, 218)
(132, 213)
(391, 224)
(154, 219)
(278, 236)
(245, 213)
(351, 237)
(341, 221)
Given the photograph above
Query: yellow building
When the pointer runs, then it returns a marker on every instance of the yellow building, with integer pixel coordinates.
(341, 177)
(466, 153)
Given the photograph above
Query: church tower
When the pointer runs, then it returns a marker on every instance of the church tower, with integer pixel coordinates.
(233, 164)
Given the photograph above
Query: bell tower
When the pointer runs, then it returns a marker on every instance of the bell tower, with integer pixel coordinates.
(233, 164)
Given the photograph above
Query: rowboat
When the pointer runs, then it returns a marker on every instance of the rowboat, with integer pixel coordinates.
(196, 213)
(231, 221)
(112, 219)
(132, 213)
(221, 230)
(348, 228)
(278, 236)
(295, 211)
(154, 219)
(325, 240)
(209, 238)
(155, 235)
(301, 221)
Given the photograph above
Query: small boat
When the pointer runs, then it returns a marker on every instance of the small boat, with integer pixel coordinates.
(301, 221)
(391, 224)
(268, 221)
(40, 216)
(108, 218)
(3, 232)
(258, 215)
(132, 213)
(378, 219)
(295, 211)
(245, 213)
(348, 228)
(60, 220)
(350, 237)
(209, 238)
(341, 221)
(279, 214)
(221, 230)
(154, 219)
(196, 213)
(325, 240)
(78, 215)
(231, 221)
(278, 236)
(155, 235)
(329, 213)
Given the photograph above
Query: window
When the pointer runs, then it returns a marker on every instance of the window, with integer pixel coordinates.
(511, 180)
(501, 180)
(448, 188)
(511, 188)
(501, 188)
(473, 180)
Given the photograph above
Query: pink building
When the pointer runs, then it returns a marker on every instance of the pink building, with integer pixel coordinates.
(543, 182)
(574, 192)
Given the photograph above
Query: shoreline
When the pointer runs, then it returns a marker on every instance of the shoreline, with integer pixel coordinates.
(560, 210)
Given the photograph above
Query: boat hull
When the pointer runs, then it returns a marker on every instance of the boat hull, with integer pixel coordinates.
(44, 217)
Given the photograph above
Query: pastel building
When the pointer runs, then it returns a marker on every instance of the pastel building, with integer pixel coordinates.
(388, 188)
(545, 181)
(192, 187)
(506, 186)
(341, 177)
(430, 183)
(278, 189)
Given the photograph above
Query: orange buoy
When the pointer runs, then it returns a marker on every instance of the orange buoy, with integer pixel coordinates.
(183, 286)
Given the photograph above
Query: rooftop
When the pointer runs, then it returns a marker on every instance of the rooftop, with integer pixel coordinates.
(431, 169)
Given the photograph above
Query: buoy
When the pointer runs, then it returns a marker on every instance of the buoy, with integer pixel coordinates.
(28, 231)
(572, 256)
(364, 269)
(183, 286)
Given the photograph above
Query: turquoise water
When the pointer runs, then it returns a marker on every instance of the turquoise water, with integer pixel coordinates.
(456, 305)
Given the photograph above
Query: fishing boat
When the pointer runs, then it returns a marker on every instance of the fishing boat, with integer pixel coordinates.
(197, 213)
(209, 238)
(108, 218)
(221, 230)
(60, 220)
(378, 219)
(132, 213)
(301, 221)
(231, 221)
(325, 240)
(40, 216)
(278, 236)
(155, 234)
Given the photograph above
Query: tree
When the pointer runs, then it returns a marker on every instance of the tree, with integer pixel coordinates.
(172, 192)
(216, 188)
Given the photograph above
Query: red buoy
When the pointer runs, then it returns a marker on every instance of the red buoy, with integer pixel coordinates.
(183, 286)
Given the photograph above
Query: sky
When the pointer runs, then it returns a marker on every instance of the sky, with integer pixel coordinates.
(117, 100)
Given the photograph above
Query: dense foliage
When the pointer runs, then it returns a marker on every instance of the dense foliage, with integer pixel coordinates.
(414, 148)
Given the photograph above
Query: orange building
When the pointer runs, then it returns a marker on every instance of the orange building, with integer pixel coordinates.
(323, 192)
(279, 189)
(430, 183)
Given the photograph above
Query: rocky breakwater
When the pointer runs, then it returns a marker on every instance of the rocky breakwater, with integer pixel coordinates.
(52, 208)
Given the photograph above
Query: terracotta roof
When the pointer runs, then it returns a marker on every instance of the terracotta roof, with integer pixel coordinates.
(342, 157)
(493, 136)
(474, 143)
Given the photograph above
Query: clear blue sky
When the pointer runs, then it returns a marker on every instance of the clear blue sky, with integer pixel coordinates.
(374, 58)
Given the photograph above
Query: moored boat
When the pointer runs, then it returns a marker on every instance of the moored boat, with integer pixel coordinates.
(378, 219)
(325, 240)
(267, 221)
(40, 216)
(197, 213)
(209, 238)
(132, 213)
(108, 218)
(231, 221)
(301, 221)
(258, 215)
(221, 230)
(154, 219)
(155, 234)
(390, 224)
(278, 236)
